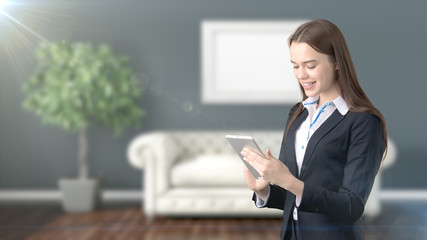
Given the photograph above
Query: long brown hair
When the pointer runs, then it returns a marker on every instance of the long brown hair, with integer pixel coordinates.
(326, 38)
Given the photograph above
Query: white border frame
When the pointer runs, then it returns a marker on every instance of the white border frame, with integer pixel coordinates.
(220, 88)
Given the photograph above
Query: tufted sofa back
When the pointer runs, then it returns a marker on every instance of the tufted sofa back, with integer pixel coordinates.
(193, 143)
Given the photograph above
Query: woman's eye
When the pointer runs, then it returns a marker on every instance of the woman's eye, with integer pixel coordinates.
(311, 67)
(295, 67)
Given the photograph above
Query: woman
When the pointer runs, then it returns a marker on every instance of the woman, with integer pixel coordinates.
(333, 144)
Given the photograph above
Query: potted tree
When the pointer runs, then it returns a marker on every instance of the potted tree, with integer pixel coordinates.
(77, 84)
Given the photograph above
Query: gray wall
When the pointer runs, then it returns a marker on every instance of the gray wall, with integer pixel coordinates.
(386, 38)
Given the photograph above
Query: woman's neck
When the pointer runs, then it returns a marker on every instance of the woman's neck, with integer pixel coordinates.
(329, 96)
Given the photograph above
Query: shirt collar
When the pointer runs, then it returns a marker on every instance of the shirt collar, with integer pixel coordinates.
(311, 101)
(339, 103)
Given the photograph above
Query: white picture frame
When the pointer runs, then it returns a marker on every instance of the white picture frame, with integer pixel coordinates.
(247, 62)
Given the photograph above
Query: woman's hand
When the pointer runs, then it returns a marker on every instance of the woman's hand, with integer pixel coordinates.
(271, 170)
(259, 186)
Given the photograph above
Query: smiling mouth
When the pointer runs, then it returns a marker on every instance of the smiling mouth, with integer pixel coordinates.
(308, 84)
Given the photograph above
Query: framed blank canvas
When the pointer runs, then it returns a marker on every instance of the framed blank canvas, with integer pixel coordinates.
(247, 62)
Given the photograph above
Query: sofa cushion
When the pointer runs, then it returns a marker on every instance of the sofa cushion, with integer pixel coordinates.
(209, 170)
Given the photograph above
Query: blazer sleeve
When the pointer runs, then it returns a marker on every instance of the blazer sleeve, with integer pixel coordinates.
(276, 199)
(363, 161)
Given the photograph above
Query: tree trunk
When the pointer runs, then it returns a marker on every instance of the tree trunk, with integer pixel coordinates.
(83, 149)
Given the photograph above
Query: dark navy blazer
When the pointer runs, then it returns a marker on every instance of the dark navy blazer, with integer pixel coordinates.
(339, 167)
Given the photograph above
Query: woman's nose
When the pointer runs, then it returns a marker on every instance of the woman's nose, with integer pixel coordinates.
(301, 74)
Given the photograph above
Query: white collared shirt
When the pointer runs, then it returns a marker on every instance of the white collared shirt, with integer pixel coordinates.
(316, 117)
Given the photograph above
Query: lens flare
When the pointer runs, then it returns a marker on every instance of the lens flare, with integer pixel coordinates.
(24, 25)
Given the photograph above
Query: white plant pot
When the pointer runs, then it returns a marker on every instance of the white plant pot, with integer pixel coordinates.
(80, 195)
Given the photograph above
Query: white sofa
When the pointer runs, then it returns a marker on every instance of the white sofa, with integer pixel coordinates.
(197, 173)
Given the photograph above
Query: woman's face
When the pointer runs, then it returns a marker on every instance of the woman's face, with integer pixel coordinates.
(314, 71)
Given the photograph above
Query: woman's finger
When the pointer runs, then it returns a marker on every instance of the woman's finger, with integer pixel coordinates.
(255, 160)
(269, 156)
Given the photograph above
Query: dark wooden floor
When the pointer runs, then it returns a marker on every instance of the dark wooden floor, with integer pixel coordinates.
(399, 220)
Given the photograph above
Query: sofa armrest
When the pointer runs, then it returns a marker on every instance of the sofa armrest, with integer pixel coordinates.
(139, 148)
(391, 154)
(154, 153)
(151, 146)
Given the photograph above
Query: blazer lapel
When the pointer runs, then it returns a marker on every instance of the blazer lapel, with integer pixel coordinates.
(327, 126)
(290, 158)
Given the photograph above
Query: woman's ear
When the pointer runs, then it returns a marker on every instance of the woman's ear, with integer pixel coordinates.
(336, 66)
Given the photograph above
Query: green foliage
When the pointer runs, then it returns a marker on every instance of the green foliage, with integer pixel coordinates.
(74, 84)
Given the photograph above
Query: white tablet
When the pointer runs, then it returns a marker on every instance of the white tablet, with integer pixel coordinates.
(240, 142)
